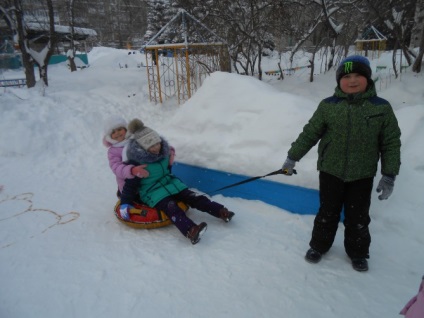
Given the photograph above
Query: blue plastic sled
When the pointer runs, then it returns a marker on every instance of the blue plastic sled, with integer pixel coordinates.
(288, 197)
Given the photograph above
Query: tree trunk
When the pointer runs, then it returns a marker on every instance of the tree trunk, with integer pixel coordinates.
(281, 77)
(51, 44)
(416, 67)
(27, 60)
(332, 53)
(407, 54)
(259, 63)
(394, 58)
(29, 70)
(311, 61)
(418, 61)
(71, 58)
(43, 74)
(72, 65)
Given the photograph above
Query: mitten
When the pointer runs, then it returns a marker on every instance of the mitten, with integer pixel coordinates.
(386, 185)
(288, 167)
(139, 171)
(124, 210)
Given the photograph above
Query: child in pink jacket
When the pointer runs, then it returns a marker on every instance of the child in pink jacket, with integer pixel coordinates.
(116, 136)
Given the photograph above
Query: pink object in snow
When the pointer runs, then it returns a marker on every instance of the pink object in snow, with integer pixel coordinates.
(415, 307)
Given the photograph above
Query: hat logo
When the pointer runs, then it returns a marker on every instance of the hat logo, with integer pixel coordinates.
(348, 67)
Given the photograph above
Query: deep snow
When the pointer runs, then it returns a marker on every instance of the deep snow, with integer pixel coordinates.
(64, 254)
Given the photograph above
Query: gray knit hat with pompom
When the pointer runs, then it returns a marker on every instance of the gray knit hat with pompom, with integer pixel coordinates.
(145, 136)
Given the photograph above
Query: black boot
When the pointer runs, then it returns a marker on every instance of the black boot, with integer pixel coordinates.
(313, 256)
(360, 264)
(196, 231)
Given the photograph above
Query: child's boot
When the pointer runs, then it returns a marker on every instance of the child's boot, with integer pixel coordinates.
(226, 215)
(196, 231)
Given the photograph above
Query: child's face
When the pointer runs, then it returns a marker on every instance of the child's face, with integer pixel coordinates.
(353, 83)
(155, 149)
(118, 134)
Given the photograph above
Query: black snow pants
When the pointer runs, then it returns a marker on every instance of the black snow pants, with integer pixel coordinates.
(354, 198)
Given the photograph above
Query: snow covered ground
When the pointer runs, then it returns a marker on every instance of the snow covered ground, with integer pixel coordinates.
(64, 254)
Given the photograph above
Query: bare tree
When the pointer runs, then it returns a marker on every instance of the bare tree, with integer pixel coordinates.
(416, 67)
(27, 60)
(118, 23)
(398, 16)
(42, 58)
(71, 52)
(31, 53)
(245, 26)
(329, 19)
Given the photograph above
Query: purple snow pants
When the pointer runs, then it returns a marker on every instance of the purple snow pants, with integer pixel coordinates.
(192, 199)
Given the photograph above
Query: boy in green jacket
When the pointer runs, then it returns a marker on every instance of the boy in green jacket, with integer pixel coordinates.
(355, 129)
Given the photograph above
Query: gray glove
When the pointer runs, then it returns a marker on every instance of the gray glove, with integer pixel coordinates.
(386, 185)
(288, 167)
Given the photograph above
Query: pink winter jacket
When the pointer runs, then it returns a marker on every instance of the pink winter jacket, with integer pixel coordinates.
(415, 307)
(121, 170)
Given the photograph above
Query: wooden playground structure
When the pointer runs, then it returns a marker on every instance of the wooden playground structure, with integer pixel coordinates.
(177, 70)
(371, 44)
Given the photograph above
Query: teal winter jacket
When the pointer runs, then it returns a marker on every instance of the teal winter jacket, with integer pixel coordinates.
(160, 183)
(354, 131)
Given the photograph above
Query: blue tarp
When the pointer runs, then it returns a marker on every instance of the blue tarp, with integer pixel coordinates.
(288, 197)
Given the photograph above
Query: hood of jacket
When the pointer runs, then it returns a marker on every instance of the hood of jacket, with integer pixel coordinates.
(138, 154)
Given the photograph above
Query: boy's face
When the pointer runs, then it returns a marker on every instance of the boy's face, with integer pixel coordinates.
(118, 134)
(155, 149)
(353, 83)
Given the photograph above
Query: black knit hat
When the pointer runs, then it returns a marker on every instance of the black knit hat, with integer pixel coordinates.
(354, 64)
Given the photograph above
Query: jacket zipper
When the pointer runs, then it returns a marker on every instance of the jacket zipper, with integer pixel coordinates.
(349, 122)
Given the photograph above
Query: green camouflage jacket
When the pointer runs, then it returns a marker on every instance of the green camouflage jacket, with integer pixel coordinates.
(354, 132)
